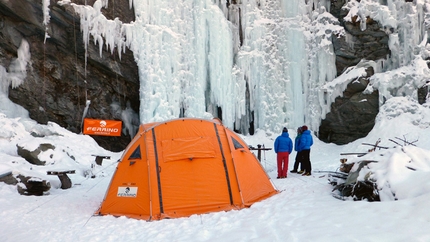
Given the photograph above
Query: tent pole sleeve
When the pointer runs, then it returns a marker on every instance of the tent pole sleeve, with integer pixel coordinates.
(225, 165)
(149, 176)
(160, 196)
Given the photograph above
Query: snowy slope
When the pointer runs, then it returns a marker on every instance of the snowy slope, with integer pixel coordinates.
(305, 210)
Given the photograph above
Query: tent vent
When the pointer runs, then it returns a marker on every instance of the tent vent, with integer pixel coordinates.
(236, 144)
(136, 154)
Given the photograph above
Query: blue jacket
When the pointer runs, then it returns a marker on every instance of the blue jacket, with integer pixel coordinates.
(305, 141)
(283, 143)
(296, 142)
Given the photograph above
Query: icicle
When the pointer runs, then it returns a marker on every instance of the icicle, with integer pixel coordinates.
(87, 105)
(46, 16)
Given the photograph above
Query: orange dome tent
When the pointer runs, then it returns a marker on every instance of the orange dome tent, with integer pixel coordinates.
(182, 167)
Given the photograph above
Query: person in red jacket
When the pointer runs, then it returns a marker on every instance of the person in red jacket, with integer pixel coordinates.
(283, 147)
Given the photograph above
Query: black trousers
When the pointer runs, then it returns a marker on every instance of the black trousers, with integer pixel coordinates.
(307, 167)
(298, 161)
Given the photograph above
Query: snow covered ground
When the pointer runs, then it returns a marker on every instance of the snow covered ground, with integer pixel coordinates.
(305, 210)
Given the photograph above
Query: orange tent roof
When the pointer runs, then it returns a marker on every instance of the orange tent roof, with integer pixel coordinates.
(182, 167)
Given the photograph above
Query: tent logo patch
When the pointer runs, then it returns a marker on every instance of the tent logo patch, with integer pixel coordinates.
(127, 192)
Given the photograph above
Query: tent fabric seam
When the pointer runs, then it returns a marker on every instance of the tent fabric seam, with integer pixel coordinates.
(225, 165)
(160, 195)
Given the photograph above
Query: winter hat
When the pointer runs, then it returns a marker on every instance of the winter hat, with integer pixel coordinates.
(284, 130)
(299, 130)
(304, 127)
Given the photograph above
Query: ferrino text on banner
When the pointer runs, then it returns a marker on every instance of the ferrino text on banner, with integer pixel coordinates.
(102, 127)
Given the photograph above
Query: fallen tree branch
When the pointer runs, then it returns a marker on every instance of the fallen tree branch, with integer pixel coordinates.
(395, 142)
(358, 154)
(407, 142)
(377, 146)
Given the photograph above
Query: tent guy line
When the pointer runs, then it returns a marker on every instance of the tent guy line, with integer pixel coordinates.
(66, 191)
(47, 201)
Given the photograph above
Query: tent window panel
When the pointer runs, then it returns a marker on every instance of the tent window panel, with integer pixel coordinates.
(188, 148)
(236, 144)
(136, 154)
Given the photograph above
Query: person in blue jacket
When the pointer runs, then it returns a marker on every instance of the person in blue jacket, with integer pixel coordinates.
(283, 147)
(299, 159)
(304, 145)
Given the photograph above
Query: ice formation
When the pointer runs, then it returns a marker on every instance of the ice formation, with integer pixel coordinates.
(263, 65)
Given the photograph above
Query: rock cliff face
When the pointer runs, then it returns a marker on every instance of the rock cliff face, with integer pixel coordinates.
(351, 118)
(60, 79)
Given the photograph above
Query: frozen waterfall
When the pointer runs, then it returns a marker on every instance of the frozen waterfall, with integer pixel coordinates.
(258, 64)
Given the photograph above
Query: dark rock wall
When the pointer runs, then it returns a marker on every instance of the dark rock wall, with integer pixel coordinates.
(352, 115)
(58, 81)
(369, 44)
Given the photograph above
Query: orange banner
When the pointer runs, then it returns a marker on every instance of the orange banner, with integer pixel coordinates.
(102, 127)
